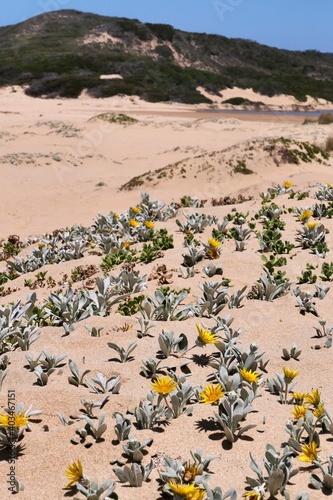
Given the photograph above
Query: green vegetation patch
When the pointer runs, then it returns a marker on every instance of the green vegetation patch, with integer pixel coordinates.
(115, 118)
(241, 101)
(295, 152)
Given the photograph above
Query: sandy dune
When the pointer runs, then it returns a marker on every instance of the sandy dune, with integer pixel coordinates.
(59, 166)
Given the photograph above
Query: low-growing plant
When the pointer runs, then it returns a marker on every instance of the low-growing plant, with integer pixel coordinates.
(131, 305)
(194, 255)
(170, 345)
(93, 330)
(148, 415)
(307, 276)
(196, 223)
(232, 410)
(327, 271)
(282, 384)
(279, 471)
(89, 405)
(213, 269)
(113, 259)
(268, 288)
(134, 475)
(76, 379)
(135, 449)
(305, 301)
(124, 354)
(293, 353)
(123, 426)
(43, 376)
(102, 385)
(90, 429)
(326, 482)
(213, 300)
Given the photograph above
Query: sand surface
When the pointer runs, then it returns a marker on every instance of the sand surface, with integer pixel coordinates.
(60, 165)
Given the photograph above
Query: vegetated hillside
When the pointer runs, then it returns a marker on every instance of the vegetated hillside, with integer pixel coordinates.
(63, 52)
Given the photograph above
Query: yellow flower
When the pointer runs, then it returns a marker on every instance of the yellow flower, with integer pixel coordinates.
(126, 245)
(211, 394)
(14, 420)
(313, 398)
(116, 216)
(299, 397)
(252, 495)
(74, 473)
(289, 374)
(164, 385)
(311, 224)
(190, 473)
(310, 453)
(135, 210)
(41, 245)
(133, 223)
(149, 224)
(305, 215)
(187, 491)
(249, 375)
(299, 412)
(205, 336)
(214, 243)
(319, 411)
(214, 248)
(287, 184)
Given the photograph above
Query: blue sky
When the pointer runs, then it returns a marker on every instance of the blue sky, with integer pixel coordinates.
(290, 24)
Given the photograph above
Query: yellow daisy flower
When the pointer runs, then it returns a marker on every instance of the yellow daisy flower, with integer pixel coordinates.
(319, 411)
(299, 397)
(310, 453)
(74, 473)
(289, 374)
(126, 245)
(15, 420)
(190, 473)
(133, 223)
(311, 224)
(149, 224)
(287, 184)
(249, 375)
(252, 495)
(205, 336)
(299, 411)
(305, 215)
(210, 395)
(187, 491)
(214, 248)
(164, 385)
(135, 210)
(214, 243)
(313, 398)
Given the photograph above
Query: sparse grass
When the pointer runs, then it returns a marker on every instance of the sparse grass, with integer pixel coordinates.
(115, 118)
(241, 168)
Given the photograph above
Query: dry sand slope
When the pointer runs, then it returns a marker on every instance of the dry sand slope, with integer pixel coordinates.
(60, 165)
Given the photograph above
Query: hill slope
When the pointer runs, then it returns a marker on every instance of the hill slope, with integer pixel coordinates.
(63, 52)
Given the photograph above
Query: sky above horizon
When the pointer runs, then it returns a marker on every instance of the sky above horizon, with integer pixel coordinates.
(287, 24)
